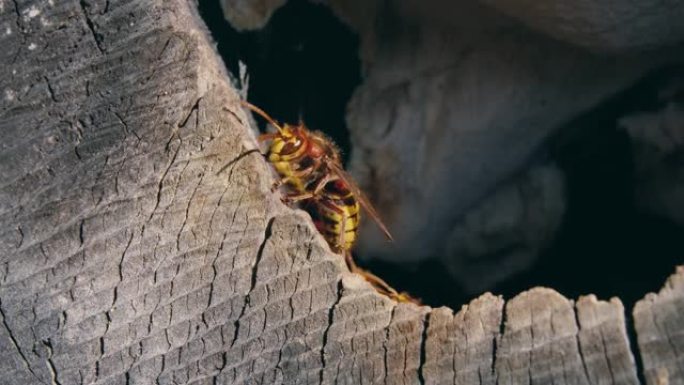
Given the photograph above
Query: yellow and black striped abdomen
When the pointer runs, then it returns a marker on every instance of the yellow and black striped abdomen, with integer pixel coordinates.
(337, 214)
(288, 155)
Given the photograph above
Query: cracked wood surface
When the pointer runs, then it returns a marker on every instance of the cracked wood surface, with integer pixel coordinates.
(140, 242)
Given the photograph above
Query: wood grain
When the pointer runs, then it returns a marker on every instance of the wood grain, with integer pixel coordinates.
(659, 322)
(141, 242)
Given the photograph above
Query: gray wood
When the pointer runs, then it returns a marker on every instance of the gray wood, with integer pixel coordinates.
(539, 343)
(461, 347)
(603, 342)
(659, 323)
(141, 243)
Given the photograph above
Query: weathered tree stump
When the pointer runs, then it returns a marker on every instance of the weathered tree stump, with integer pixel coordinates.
(141, 242)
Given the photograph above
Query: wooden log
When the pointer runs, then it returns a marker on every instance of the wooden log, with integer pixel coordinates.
(659, 319)
(141, 242)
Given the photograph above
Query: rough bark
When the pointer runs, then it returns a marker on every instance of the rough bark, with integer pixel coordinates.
(141, 242)
(658, 320)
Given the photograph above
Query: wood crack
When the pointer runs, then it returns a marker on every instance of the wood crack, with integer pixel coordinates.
(255, 269)
(423, 340)
(232, 162)
(97, 37)
(160, 184)
(20, 29)
(51, 365)
(331, 312)
(51, 91)
(215, 272)
(634, 349)
(194, 108)
(126, 129)
(15, 344)
(187, 213)
(531, 349)
(579, 344)
(121, 277)
(604, 348)
(21, 237)
(81, 235)
(495, 342)
(384, 345)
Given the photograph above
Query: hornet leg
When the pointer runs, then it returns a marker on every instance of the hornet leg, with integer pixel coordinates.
(329, 177)
(297, 197)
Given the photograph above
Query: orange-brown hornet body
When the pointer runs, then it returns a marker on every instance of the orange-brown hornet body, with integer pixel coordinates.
(309, 163)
